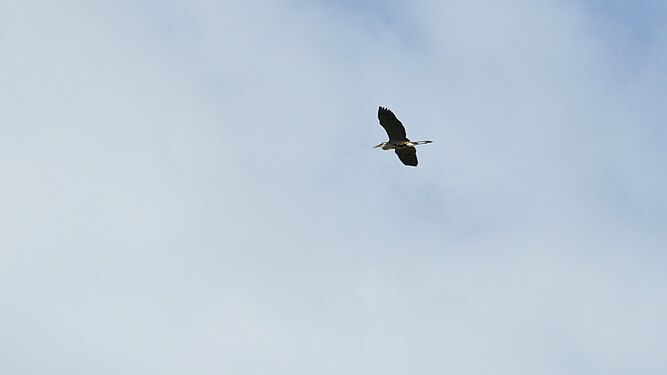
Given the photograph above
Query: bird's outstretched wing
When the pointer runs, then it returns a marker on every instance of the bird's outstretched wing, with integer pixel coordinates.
(407, 155)
(391, 125)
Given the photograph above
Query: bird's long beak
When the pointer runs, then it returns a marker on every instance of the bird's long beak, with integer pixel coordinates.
(380, 145)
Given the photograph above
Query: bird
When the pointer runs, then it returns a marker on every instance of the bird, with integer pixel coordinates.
(404, 148)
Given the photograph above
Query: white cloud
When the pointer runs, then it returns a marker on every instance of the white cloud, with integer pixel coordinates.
(189, 187)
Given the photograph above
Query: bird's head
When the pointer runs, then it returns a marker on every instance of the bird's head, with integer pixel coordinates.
(380, 145)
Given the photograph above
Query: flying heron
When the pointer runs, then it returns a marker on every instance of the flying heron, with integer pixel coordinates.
(404, 148)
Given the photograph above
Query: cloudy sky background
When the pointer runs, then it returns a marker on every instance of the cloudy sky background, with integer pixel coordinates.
(189, 187)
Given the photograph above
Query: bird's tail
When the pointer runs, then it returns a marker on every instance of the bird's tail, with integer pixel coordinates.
(423, 142)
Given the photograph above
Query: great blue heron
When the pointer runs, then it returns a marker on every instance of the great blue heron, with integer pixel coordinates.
(404, 148)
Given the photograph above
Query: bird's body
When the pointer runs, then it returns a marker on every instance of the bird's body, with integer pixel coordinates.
(398, 141)
(400, 145)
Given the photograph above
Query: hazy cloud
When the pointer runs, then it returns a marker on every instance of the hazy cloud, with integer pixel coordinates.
(189, 187)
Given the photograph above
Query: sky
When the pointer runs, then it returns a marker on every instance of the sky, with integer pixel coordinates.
(189, 187)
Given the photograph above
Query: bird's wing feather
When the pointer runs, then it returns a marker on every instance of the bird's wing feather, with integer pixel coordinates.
(391, 125)
(407, 155)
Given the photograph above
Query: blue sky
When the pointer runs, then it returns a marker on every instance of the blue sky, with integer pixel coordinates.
(189, 187)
